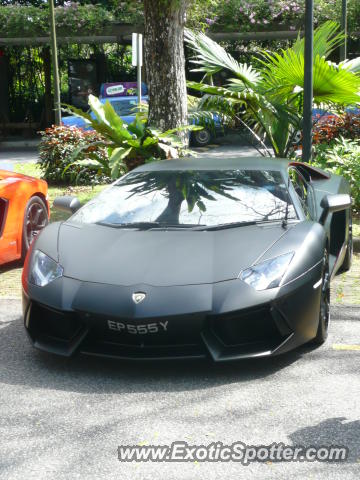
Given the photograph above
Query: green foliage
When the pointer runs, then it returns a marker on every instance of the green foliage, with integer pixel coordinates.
(30, 17)
(342, 156)
(258, 15)
(268, 100)
(129, 12)
(27, 74)
(128, 146)
(24, 21)
(57, 147)
(27, 21)
(211, 58)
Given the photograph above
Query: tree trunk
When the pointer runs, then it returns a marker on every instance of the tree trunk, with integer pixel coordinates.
(165, 63)
(171, 214)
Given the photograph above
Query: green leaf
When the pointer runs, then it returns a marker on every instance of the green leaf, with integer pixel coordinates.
(327, 39)
(116, 122)
(137, 127)
(78, 112)
(212, 58)
(118, 155)
(201, 206)
(149, 142)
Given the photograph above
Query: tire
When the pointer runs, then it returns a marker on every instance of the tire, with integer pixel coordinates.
(346, 265)
(324, 314)
(35, 219)
(201, 138)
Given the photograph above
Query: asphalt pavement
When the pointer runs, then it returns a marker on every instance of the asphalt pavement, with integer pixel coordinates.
(13, 155)
(230, 145)
(64, 418)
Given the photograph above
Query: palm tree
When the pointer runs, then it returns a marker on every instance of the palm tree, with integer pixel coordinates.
(268, 101)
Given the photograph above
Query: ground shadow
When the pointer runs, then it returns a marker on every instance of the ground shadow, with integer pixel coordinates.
(21, 364)
(332, 431)
(6, 267)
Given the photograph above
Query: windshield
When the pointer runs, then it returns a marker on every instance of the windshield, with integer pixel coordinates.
(125, 107)
(191, 198)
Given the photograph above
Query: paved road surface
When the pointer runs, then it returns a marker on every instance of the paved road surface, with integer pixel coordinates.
(11, 156)
(18, 155)
(63, 419)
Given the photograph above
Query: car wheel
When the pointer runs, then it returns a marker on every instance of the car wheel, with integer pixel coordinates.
(201, 138)
(35, 219)
(324, 315)
(346, 265)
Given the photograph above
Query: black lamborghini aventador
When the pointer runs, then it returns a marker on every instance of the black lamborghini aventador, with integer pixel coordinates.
(220, 258)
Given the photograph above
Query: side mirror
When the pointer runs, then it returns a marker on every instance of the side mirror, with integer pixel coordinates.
(67, 204)
(333, 203)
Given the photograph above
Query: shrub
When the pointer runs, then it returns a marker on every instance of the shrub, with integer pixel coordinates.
(258, 15)
(336, 126)
(128, 145)
(27, 20)
(20, 19)
(57, 149)
(342, 156)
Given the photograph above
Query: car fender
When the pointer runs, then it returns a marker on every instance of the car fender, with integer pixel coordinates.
(307, 240)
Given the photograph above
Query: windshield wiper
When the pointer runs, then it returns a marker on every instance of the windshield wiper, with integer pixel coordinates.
(139, 225)
(149, 225)
(175, 226)
(221, 226)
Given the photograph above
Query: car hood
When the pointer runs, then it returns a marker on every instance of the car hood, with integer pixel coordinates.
(103, 254)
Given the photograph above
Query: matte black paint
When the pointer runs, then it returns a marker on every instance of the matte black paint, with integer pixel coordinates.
(190, 279)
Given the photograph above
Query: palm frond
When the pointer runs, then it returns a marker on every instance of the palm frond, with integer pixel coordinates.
(217, 103)
(327, 38)
(210, 57)
(213, 90)
(334, 85)
(284, 77)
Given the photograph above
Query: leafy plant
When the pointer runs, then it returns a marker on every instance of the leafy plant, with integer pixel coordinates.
(258, 15)
(56, 149)
(342, 156)
(128, 145)
(31, 18)
(268, 101)
(28, 20)
(334, 126)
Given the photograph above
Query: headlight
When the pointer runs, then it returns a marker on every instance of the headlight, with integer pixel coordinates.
(267, 274)
(44, 269)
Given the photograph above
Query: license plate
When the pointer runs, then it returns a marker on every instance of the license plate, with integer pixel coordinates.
(138, 329)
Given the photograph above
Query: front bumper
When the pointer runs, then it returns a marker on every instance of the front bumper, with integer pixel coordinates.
(225, 321)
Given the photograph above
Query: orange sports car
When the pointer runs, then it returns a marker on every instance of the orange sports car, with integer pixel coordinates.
(24, 211)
